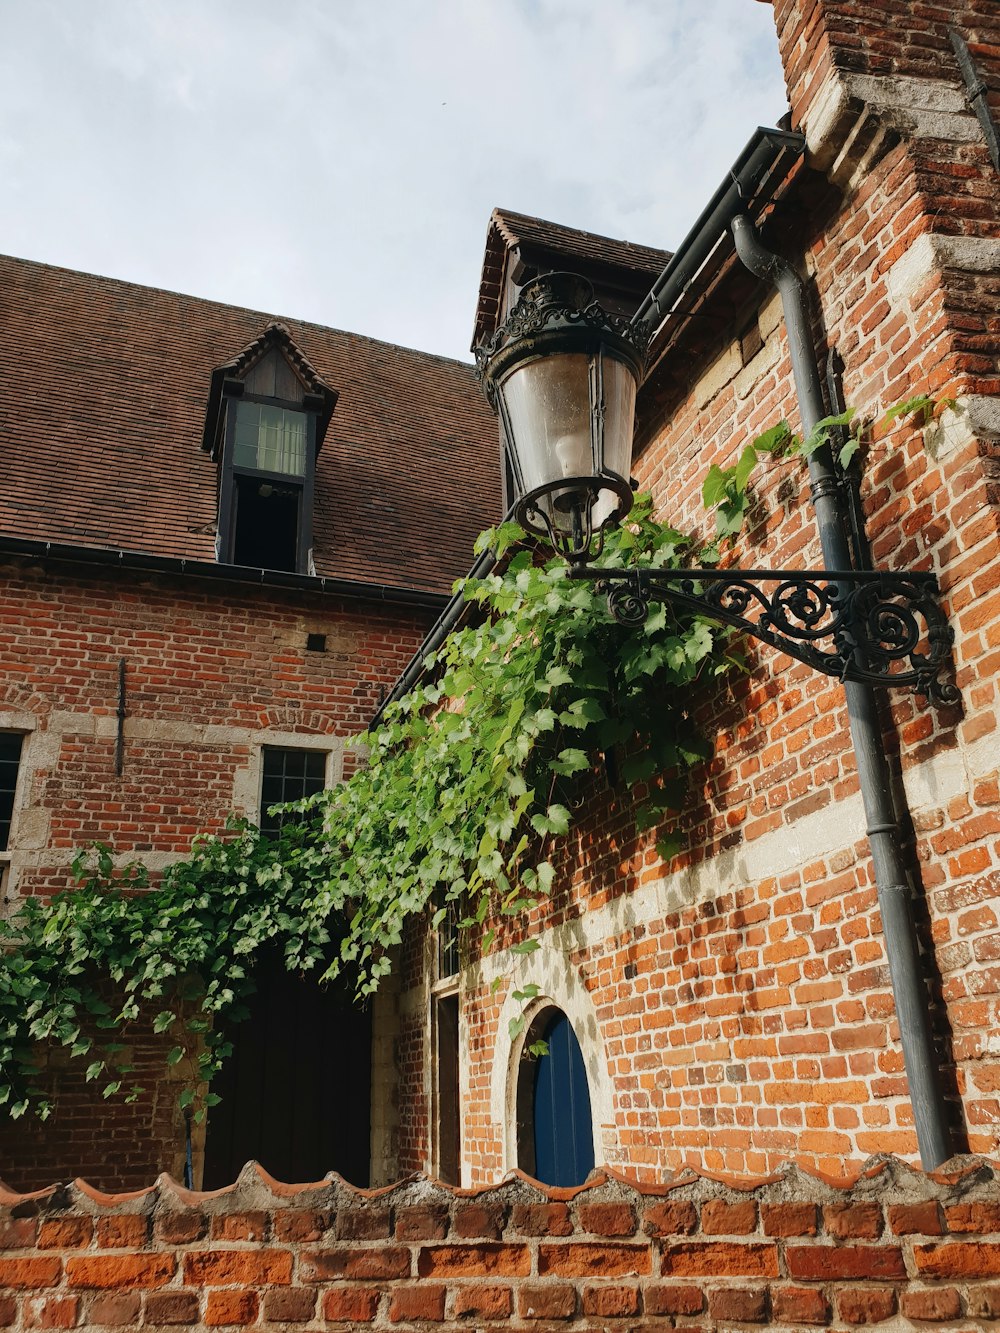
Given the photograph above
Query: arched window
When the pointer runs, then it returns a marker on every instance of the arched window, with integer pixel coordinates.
(555, 1130)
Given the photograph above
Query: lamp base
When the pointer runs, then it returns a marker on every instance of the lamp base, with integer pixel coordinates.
(568, 513)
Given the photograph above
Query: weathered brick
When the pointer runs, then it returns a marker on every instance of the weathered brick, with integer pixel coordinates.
(607, 1219)
(473, 1221)
(610, 1301)
(180, 1228)
(738, 1304)
(223, 1268)
(983, 1302)
(728, 1219)
(576, 1259)
(915, 1219)
(820, 1263)
(483, 1260)
(484, 1302)
(799, 1305)
(670, 1219)
(126, 1232)
(935, 1303)
(973, 1217)
(673, 1300)
(789, 1219)
(541, 1219)
(35, 1272)
(65, 1233)
(8, 1311)
(239, 1226)
(121, 1310)
(356, 1305)
(363, 1224)
(354, 1263)
(171, 1307)
(547, 1300)
(720, 1259)
(853, 1221)
(422, 1302)
(120, 1271)
(17, 1233)
(289, 1305)
(866, 1305)
(297, 1226)
(231, 1306)
(958, 1259)
(51, 1311)
(424, 1222)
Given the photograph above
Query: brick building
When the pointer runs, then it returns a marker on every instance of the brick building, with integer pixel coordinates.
(220, 543)
(734, 1009)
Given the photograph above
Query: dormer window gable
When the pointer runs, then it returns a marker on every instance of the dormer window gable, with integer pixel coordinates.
(267, 416)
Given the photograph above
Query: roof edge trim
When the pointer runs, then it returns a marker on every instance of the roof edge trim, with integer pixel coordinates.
(141, 562)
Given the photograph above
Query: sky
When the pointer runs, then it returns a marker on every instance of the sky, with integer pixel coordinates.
(338, 160)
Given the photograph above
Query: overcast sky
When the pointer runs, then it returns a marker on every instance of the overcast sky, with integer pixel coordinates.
(337, 160)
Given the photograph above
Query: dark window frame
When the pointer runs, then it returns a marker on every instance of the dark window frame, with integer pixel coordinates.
(446, 1025)
(10, 808)
(304, 486)
(272, 827)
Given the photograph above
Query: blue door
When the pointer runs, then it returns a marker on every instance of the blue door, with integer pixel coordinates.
(563, 1134)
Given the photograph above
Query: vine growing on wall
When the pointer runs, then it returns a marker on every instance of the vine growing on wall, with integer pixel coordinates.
(469, 781)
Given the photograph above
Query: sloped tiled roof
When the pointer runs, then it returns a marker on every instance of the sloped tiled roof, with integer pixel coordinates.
(534, 239)
(519, 229)
(103, 393)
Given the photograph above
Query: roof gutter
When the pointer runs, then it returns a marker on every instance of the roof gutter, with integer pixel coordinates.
(764, 164)
(140, 562)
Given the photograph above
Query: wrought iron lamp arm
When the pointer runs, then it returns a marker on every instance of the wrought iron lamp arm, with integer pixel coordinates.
(885, 629)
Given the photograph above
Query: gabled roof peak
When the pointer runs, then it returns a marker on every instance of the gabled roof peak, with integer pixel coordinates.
(276, 334)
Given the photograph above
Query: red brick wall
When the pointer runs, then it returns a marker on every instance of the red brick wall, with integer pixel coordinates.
(209, 669)
(879, 37)
(791, 1253)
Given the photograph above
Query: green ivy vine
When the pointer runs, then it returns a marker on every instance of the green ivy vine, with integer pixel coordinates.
(468, 782)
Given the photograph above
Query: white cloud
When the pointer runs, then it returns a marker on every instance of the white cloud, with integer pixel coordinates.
(337, 160)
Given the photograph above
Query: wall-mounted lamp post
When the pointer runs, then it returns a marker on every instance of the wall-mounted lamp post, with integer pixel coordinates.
(562, 374)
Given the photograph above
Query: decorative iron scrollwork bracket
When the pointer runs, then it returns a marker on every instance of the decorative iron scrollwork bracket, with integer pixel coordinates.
(878, 628)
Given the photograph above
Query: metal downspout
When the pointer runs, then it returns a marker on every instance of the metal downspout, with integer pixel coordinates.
(909, 986)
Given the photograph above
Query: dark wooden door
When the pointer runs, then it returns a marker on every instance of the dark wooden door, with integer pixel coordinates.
(296, 1091)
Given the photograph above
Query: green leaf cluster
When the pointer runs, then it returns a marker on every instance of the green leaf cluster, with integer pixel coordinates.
(467, 785)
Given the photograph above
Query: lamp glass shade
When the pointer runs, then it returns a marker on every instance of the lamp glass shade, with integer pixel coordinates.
(569, 414)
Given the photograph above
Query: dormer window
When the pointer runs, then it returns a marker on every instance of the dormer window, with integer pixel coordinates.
(268, 412)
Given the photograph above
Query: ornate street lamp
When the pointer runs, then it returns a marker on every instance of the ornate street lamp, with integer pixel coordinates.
(562, 374)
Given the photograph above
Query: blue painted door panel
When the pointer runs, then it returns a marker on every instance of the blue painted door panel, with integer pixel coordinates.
(564, 1141)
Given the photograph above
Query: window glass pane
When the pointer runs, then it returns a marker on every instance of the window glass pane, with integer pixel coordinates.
(288, 775)
(270, 439)
(10, 757)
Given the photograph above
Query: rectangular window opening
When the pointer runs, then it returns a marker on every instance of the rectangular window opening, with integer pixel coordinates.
(448, 961)
(267, 524)
(11, 743)
(288, 775)
(449, 1129)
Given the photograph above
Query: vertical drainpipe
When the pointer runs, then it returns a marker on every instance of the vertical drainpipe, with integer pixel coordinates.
(909, 986)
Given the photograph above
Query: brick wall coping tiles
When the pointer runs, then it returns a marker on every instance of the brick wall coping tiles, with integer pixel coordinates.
(788, 1251)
